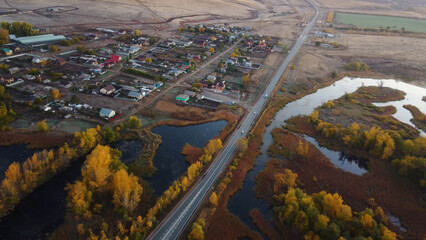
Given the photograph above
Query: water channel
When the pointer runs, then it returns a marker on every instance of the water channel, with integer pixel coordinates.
(245, 200)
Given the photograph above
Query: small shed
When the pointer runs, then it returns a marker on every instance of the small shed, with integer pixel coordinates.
(182, 97)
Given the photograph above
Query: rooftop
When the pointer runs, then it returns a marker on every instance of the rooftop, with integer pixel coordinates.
(39, 39)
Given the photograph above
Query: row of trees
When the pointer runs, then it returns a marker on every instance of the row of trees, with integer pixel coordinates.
(7, 115)
(22, 178)
(20, 29)
(408, 155)
(182, 184)
(199, 226)
(323, 215)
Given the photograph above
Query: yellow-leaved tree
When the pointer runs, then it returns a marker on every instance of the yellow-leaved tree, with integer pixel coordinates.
(127, 191)
(96, 171)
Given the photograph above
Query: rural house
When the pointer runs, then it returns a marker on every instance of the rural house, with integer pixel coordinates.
(109, 89)
(106, 113)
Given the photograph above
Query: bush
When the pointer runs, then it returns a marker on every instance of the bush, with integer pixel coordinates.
(42, 126)
(134, 122)
(145, 74)
(34, 71)
(356, 66)
(74, 99)
(65, 42)
(53, 48)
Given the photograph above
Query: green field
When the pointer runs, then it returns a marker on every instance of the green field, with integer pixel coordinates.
(374, 21)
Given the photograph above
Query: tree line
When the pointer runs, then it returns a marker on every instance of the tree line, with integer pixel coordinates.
(324, 215)
(7, 115)
(23, 178)
(20, 29)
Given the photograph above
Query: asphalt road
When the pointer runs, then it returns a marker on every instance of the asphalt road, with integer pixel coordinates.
(173, 225)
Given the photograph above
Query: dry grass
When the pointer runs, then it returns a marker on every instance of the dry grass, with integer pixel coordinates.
(192, 153)
(34, 139)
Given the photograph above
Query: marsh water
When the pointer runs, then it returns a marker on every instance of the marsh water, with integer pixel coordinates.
(168, 160)
(14, 153)
(42, 211)
(245, 200)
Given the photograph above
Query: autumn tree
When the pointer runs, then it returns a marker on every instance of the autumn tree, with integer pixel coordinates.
(53, 48)
(96, 171)
(242, 144)
(184, 183)
(214, 145)
(42, 126)
(79, 198)
(197, 232)
(109, 135)
(366, 221)
(302, 148)
(137, 33)
(86, 140)
(4, 36)
(134, 122)
(284, 180)
(193, 170)
(127, 191)
(214, 199)
(246, 79)
(55, 93)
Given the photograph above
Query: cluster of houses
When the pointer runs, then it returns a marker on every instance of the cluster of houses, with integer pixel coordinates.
(128, 92)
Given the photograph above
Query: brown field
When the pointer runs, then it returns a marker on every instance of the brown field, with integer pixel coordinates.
(408, 8)
(270, 17)
(35, 139)
(172, 108)
(398, 57)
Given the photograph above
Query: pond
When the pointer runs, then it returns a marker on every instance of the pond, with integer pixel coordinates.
(14, 153)
(245, 200)
(130, 150)
(340, 160)
(168, 160)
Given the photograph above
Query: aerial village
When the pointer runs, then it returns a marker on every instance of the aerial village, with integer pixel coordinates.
(101, 74)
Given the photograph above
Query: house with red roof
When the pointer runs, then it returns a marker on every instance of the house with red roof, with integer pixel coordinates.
(186, 65)
(219, 87)
(114, 59)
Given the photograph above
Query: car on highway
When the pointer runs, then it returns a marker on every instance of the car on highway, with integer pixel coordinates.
(265, 96)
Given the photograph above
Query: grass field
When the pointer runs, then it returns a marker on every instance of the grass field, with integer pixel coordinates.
(375, 21)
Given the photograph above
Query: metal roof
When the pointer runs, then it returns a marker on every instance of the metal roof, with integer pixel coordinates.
(106, 112)
(38, 39)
